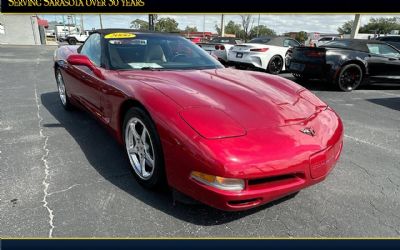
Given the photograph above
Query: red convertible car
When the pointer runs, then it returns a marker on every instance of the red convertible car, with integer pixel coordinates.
(231, 139)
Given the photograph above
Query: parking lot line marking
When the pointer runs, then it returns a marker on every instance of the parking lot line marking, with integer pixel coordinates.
(371, 144)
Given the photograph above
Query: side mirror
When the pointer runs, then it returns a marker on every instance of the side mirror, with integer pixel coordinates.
(77, 59)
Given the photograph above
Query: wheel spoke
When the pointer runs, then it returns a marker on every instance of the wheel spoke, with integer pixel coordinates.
(143, 136)
(136, 163)
(134, 132)
(143, 166)
(149, 158)
(132, 150)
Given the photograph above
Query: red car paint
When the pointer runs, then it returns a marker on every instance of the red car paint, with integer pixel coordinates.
(223, 122)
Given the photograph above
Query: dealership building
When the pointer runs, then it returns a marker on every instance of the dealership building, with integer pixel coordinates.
(20, 30)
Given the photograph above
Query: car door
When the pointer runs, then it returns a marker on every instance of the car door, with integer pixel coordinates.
(383, 61)
(89, 88)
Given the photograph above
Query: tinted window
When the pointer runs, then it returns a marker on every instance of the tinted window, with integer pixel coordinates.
(260, 40)
(161, 52)
(290, 43)
(326, 39)
(92, 48)
(382, 49)
(337, 43)
(293, 43)
(390, 39)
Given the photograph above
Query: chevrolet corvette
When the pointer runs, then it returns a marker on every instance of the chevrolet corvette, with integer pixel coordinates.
(346, 63)
(262, 53)
(230, 139)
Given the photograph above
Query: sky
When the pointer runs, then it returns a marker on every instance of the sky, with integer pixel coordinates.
(324, 23)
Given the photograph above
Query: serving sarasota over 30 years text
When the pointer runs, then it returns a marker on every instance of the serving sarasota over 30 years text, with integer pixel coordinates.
(75, 3)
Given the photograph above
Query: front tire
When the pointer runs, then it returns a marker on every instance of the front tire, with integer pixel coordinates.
(275, 65)
(62, 91)
(350, 77)
(143, 147)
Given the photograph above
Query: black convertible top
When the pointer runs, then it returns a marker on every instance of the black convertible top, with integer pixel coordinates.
(354, 44)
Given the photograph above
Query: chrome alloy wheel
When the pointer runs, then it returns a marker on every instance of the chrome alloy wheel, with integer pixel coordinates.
(61, 89)
(139, 147)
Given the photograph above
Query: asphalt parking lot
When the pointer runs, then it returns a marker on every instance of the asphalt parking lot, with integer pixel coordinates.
(62, 174)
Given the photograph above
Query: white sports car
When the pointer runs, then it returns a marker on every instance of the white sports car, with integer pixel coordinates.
(219, 46)
(265, 53)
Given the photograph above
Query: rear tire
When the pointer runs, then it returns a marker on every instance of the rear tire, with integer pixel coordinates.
(143, 147)
(275, 65)
(350, 77)
(62, 90)
(72, 41)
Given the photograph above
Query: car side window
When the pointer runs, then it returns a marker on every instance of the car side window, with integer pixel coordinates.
(293, 43)
(286, 43)
(382, 49)
(92, 49)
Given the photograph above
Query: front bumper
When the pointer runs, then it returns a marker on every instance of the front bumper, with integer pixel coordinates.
(248, 60)
(259, 191)
(277, 169)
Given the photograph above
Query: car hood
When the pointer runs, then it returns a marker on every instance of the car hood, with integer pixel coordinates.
(254, 100)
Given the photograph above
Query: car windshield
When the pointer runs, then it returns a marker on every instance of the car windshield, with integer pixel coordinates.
(157, 52)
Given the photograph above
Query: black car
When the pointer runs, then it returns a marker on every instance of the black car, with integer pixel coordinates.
(392, 40)
(346, 63)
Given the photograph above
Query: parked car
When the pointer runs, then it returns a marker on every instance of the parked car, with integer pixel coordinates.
(73, 39)
(263, 53)
(231, 139)
(219, 46)
(195, 40)
(392, 40)
(346, 63)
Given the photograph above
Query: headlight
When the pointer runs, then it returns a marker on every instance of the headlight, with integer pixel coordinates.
(222, 183)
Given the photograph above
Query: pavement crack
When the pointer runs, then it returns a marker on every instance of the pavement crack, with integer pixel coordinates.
(375, 208)
(362, 168)
(64, 190)
(46, 166)
(393, 183)
(88, 184)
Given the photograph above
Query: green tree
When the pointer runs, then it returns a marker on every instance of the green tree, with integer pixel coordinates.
(233, 28)
(189, 29)
(381, 25)
(346, 27)
(301, 36)
(139, 24)
(167, 24)
(261, 30)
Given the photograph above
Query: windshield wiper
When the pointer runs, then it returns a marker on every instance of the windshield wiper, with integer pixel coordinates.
(151, 68)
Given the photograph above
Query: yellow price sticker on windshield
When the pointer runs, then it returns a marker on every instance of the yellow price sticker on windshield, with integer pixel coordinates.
(119, 35)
